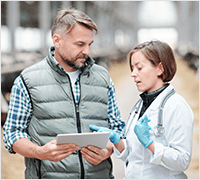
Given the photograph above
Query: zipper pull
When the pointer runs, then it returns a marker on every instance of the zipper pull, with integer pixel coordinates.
(77, 109)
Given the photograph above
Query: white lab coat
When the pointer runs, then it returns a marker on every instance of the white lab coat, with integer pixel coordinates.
(172, 151)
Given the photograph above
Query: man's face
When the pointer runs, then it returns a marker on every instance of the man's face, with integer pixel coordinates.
(74, 47)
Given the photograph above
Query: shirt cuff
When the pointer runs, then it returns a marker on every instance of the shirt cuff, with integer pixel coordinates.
(124, 153)
(158, 153)
(13, 139)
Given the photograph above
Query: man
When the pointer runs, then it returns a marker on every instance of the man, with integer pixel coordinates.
(63, 93)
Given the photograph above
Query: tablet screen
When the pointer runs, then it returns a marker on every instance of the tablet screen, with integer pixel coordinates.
(98, 139)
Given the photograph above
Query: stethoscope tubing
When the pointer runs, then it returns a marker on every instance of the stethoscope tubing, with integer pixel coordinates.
(159, 129)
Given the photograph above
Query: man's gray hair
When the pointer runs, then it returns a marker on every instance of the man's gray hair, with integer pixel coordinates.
(67, 18)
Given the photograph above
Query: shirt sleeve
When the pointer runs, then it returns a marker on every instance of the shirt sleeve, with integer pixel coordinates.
(176, 155)
(124, 154)
(114, 117)
(19, 114)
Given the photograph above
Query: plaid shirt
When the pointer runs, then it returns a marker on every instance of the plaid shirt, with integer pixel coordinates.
(20, 112)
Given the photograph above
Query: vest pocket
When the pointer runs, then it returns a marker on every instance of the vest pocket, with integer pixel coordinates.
(32, 169)
(100, 171)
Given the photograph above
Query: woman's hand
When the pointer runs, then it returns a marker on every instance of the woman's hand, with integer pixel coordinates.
(114, 137)
(141, 129)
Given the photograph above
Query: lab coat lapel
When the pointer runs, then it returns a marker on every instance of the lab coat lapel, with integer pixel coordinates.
(156, 103)
(153, 109)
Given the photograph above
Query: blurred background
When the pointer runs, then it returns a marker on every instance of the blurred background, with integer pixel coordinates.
(26, 37)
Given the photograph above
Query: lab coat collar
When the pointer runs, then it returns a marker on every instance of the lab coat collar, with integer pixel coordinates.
(156, 103)
(148, 98)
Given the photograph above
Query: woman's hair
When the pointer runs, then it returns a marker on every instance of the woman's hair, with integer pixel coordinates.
(156, 51)
(67, 18)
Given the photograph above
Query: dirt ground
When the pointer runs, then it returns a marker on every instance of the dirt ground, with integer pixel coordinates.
(185, 82)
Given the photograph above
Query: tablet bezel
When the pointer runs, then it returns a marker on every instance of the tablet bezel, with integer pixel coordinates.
(98, 139)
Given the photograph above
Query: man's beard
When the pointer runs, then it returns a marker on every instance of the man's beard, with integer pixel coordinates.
(72, 63)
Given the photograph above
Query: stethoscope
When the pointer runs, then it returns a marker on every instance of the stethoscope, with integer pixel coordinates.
(158, 129)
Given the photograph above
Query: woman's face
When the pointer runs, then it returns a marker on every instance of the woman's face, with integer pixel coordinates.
(145, 74)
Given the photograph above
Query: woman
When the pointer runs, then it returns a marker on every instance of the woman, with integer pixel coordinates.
(157, 143)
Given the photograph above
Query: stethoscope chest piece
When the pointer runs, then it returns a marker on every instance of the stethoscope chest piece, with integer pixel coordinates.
(158, 130)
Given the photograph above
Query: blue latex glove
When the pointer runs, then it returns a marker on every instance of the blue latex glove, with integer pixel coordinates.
(114, 137)
(141, 129)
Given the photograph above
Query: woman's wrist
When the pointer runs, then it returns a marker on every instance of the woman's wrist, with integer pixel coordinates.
(120, 146)
(151, 147)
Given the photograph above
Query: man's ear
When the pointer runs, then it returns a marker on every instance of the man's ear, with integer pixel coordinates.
(56, 40)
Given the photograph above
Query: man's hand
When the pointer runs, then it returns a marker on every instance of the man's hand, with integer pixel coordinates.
(54, 152)
(50, 151)
(95, 155)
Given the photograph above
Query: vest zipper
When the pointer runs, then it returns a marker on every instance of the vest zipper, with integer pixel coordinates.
(79, 131)
(78, 119)
(78, 125)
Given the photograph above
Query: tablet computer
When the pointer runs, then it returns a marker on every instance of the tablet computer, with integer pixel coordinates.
(98, 139)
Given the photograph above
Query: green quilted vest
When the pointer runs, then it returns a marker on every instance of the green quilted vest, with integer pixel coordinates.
(55, 112)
